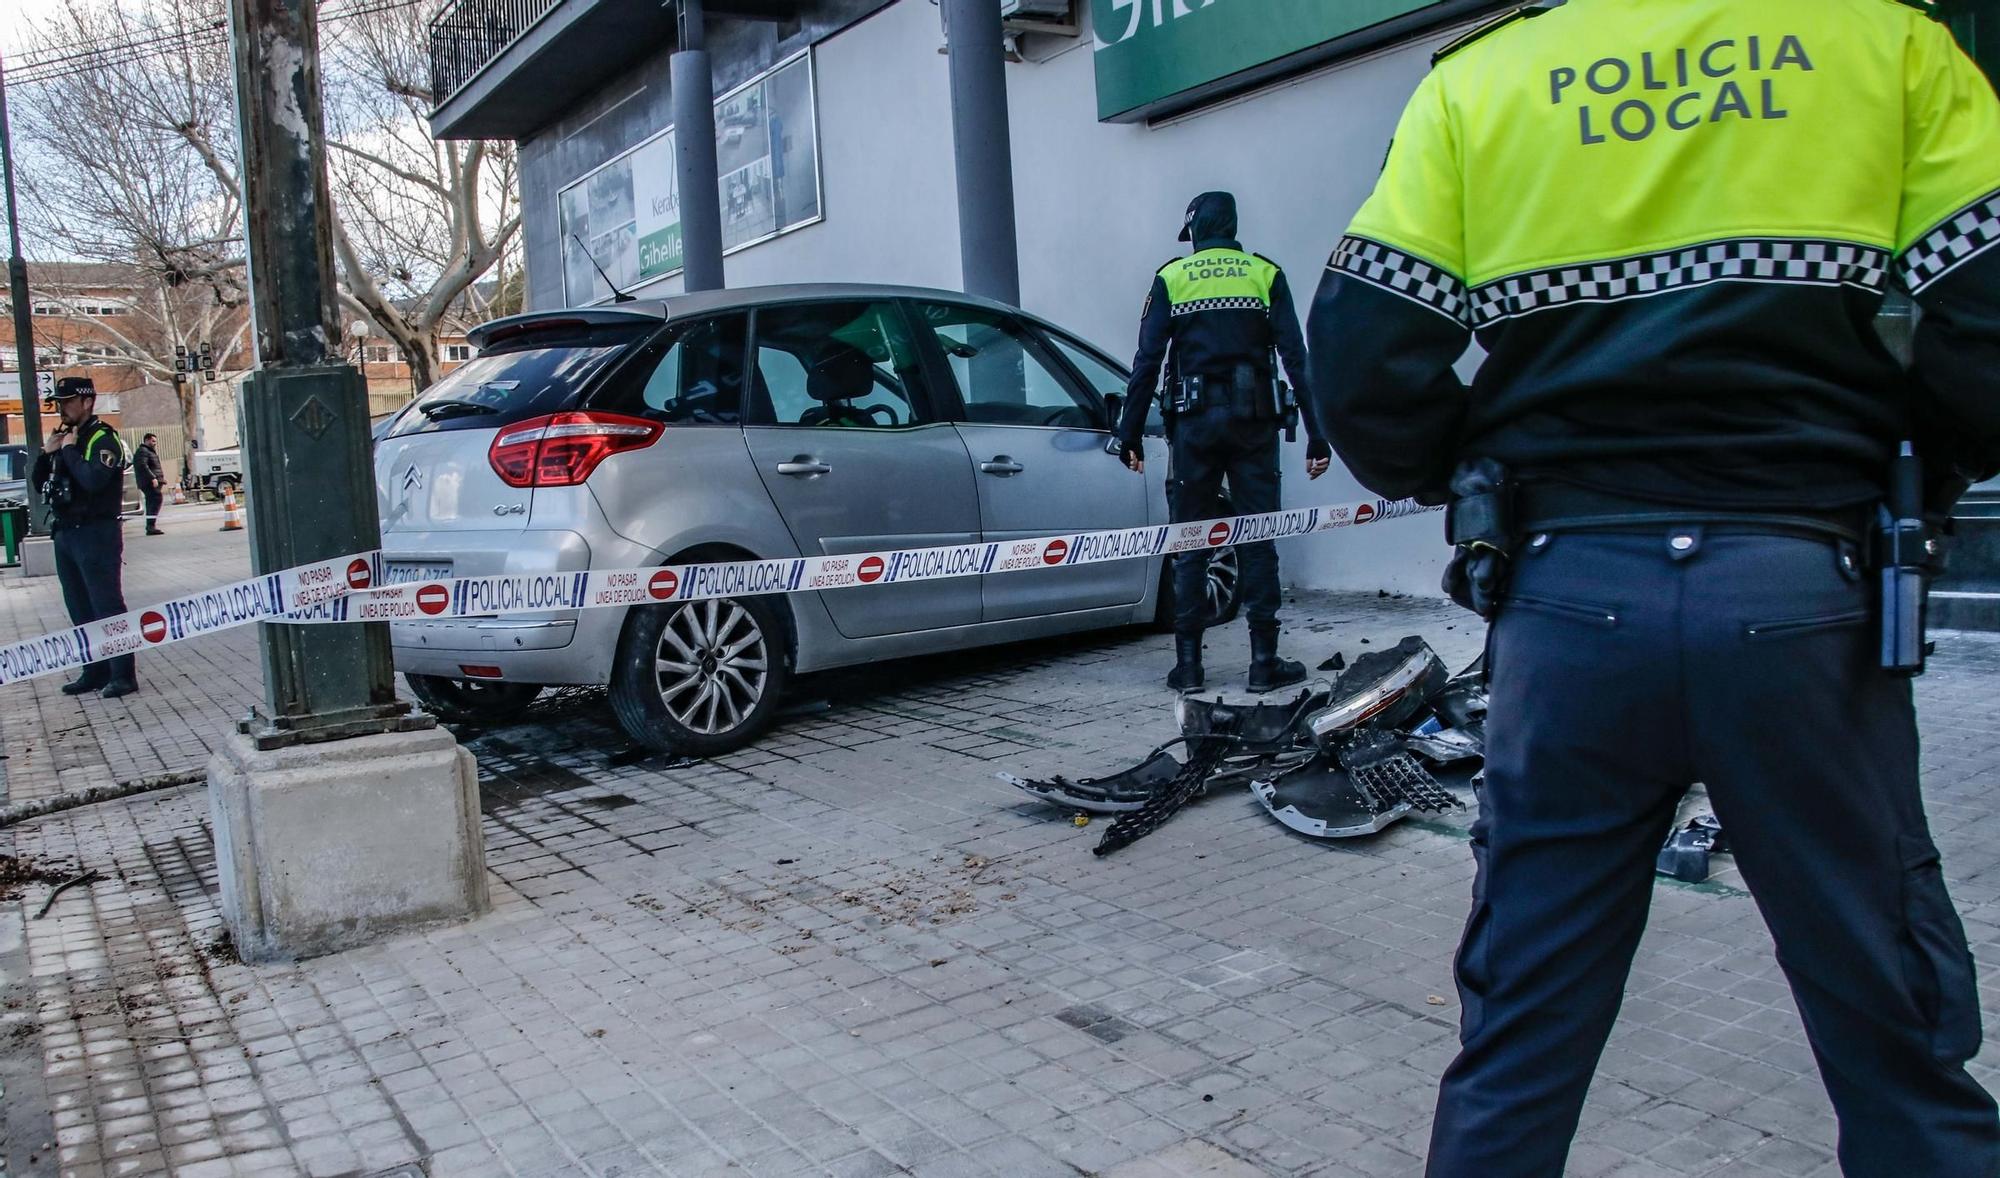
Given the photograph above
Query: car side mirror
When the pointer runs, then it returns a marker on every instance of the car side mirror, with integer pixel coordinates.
(1114, 408)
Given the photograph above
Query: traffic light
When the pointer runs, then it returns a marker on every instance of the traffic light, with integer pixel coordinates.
(207, 362)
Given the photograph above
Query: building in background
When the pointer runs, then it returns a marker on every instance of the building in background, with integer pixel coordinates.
(120, 326)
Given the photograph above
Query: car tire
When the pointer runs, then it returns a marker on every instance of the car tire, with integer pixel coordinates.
(1224, 591)
(701, 678)
(472, 701)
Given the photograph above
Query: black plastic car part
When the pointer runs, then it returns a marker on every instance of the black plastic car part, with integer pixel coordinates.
(1114, 793)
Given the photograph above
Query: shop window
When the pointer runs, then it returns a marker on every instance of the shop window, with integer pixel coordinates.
(624, 218)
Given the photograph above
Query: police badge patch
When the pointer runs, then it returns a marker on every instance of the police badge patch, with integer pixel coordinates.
(108, 457)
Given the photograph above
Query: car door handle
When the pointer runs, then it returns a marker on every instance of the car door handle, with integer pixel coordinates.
(803, 467)
(1000, 464)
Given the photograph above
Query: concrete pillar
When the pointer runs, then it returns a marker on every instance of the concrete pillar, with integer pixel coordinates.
(983, 150)
(694, 153)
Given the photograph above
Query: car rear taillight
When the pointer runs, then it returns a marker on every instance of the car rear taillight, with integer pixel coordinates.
(562, 450)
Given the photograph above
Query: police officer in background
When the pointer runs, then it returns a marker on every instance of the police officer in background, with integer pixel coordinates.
(151, 479)
(1214, 320)
(1671, 226)
(82, 476)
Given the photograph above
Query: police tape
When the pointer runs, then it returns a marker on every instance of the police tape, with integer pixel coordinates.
(349, 588)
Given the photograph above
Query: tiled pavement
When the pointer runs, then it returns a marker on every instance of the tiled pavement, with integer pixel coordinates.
(850, 951)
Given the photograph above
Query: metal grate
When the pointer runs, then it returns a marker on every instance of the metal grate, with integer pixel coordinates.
(1399, 778)
(469, 33)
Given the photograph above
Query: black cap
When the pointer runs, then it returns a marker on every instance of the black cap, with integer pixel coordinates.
(1209, 216)
(73, 386)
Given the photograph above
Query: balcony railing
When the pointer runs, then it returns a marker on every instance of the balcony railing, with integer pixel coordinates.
(469, 33)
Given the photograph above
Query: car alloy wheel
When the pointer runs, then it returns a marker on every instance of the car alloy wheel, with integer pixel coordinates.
(1223, 572)
(701, 678)
(712, 666)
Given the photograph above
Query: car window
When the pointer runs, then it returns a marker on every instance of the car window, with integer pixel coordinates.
(1000, 377)
(847, 364)
(538, 371)
(692, 374)
(1106, 380)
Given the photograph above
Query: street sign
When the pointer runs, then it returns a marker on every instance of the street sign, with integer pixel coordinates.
(45, 384)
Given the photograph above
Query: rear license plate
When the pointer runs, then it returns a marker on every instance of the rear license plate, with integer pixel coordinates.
(404, 572)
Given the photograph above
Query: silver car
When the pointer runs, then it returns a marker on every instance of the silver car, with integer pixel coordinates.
(754, 424)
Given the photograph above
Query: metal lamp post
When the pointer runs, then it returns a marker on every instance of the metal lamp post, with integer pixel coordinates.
(24, 321)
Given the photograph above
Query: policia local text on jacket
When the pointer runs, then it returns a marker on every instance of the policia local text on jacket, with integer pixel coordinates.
(1213, 321)
(83, 480)
(1671, 223)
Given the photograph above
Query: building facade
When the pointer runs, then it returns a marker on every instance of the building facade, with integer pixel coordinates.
(835, 153)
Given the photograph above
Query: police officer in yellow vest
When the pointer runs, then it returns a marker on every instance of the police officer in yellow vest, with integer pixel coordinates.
(82, 476)
(1670, 224)
(1218, 321)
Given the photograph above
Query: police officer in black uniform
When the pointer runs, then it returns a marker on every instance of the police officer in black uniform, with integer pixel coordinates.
(82, 476)
(1671, 226)
(1213, 321)
(151, 479)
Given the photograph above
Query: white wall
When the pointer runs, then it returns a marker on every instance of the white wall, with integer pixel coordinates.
(1099, 205)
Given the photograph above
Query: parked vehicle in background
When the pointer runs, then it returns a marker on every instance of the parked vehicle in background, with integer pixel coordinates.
(754, 424)
(13, 473)
(212, 470)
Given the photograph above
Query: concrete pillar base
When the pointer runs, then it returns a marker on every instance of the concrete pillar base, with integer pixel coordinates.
(38, 557)
(324, 847)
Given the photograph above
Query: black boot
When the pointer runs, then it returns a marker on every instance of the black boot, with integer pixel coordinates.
(1186, 675)
(1268, 672)
(119, 687)
(93, 678)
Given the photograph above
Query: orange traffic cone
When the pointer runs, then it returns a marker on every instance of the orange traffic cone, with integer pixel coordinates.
(179, 496)
(232, 516)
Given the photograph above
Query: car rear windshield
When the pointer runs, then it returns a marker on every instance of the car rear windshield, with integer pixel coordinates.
(529, 374)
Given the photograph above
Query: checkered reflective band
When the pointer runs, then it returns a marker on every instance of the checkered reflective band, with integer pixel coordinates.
(1786, 261)
(1964, 235)
(1194, 306)
(1400, 273)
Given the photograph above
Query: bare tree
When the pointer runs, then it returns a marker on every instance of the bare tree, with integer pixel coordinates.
(131, 158)
(421, 221)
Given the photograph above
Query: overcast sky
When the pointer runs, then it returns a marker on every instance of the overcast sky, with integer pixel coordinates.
(15, 17)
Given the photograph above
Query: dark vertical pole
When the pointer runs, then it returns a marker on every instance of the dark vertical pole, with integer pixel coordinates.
(988, 252)
(24, 318)
(305, 412)
(694, 153)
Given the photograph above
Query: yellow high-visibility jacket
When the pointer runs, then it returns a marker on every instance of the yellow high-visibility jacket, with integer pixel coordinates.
(1671, 225)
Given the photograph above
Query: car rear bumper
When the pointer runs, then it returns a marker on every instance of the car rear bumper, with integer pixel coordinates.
(556, 647)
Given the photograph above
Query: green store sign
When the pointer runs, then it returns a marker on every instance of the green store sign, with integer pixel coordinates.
(1154, 56)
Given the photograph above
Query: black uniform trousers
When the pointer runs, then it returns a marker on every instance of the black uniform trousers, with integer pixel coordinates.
(90, 565)
(1625, 667)
(1209, 448)
(153, 497)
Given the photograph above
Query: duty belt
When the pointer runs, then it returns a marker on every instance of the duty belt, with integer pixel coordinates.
(1560, 507)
